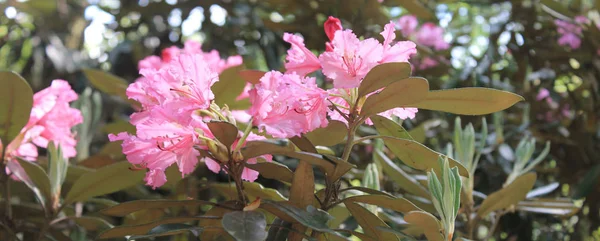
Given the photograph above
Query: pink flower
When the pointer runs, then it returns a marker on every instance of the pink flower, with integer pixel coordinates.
(331, 26)
(351, 58)
(580, 19)
(407, 24)
(286, 105)
(432, 35)
(336, 96)
(299, 58)
(51, 120)
(247, 174)
(543, 94)
(570, 34)
(428, 62)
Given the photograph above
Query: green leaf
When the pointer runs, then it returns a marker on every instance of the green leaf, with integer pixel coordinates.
(427, 222)
(369, 221)
(258, 148)
(333, 134)
(103, 181)
(382, 75)
(252, 190)
(509, 195)
(303, 144)
(36, 179)
(229, 86)
(252, 76)
(245, 226)
(142, 229)
(17, 99)
(272, 170)
(303, 185)
(397, 204)
(588, 183)
(109, 84)
(418, 156)
(311, 217)
(119, 126)
(399, 176)
(126, 208)
(58, 169)
(91, 223)
(170, 229)
(218, 233)
(557, 9)
(387, 127)
(402, 93)
(225, 132)
(468, 101)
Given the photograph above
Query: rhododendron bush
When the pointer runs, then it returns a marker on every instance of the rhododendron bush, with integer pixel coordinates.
(357, 131)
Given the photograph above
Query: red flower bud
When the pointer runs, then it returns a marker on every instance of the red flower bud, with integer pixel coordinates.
(331, 25)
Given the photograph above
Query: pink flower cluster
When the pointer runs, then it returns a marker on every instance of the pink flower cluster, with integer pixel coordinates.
(51, 120)
(565, 111)
(346, 61)
(570, 33)
(429, 35)
(170, 127)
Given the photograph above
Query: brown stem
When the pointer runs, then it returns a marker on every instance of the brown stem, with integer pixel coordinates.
(237, 171)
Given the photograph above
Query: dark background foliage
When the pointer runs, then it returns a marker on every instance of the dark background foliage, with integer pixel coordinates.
(503, 44)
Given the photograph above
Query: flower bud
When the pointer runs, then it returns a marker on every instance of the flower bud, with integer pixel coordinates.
(331, 25)
(237, 156)
(218, 150)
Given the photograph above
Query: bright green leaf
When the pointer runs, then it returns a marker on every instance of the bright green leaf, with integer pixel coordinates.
(17, 99)
(403, 93)
(399, 176)
(103, 181)
(509, 195)
(468, 101)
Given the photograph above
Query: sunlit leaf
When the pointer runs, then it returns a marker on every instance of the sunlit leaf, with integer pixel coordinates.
(397, 204)
(402, 93)
(91, 223)
(400, 177)
(245, 226)
(540, 191)
(229, 87)
(17, 99)
(387, 127)
(418, 156)
(333, 134)
(468, 101)
(430, 225)
(509, 195)
(560, 207)
(382, 75)
(57, 171)
(109, 84)
(103, 181)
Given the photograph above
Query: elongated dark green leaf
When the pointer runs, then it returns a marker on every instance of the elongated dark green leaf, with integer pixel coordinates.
(399, 176)
(245, 226)
(58, 169)
(387, 127)
(120, 210)
(369, 222)
(122, 231)
(403, 93)
(397, 204)
(252, 190)
(279, 230)
(219, 233)
(382, 75)
(509, 195)
(109, 84)
(103, 181)
(333, 134)
(170, 229)
(273, 170)
(468, 101)
(36, 176)
(304, 144)
(17, 99)
(229, 86)
(418, 156)
(311, 217)
(225, 132)
(258, 148)
(91, 223)
(430, 225)
(302, 194)
(588, 183)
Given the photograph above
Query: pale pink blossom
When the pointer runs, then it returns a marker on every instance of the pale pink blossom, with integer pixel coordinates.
(431, 35)
(287, 105)
(580, 19)
(336, 96)
(570, 39)
(400, 51)
(299, 59)
(428, 62)
(543, 94)
(570, 34)
(51, 120)
(407, 25)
